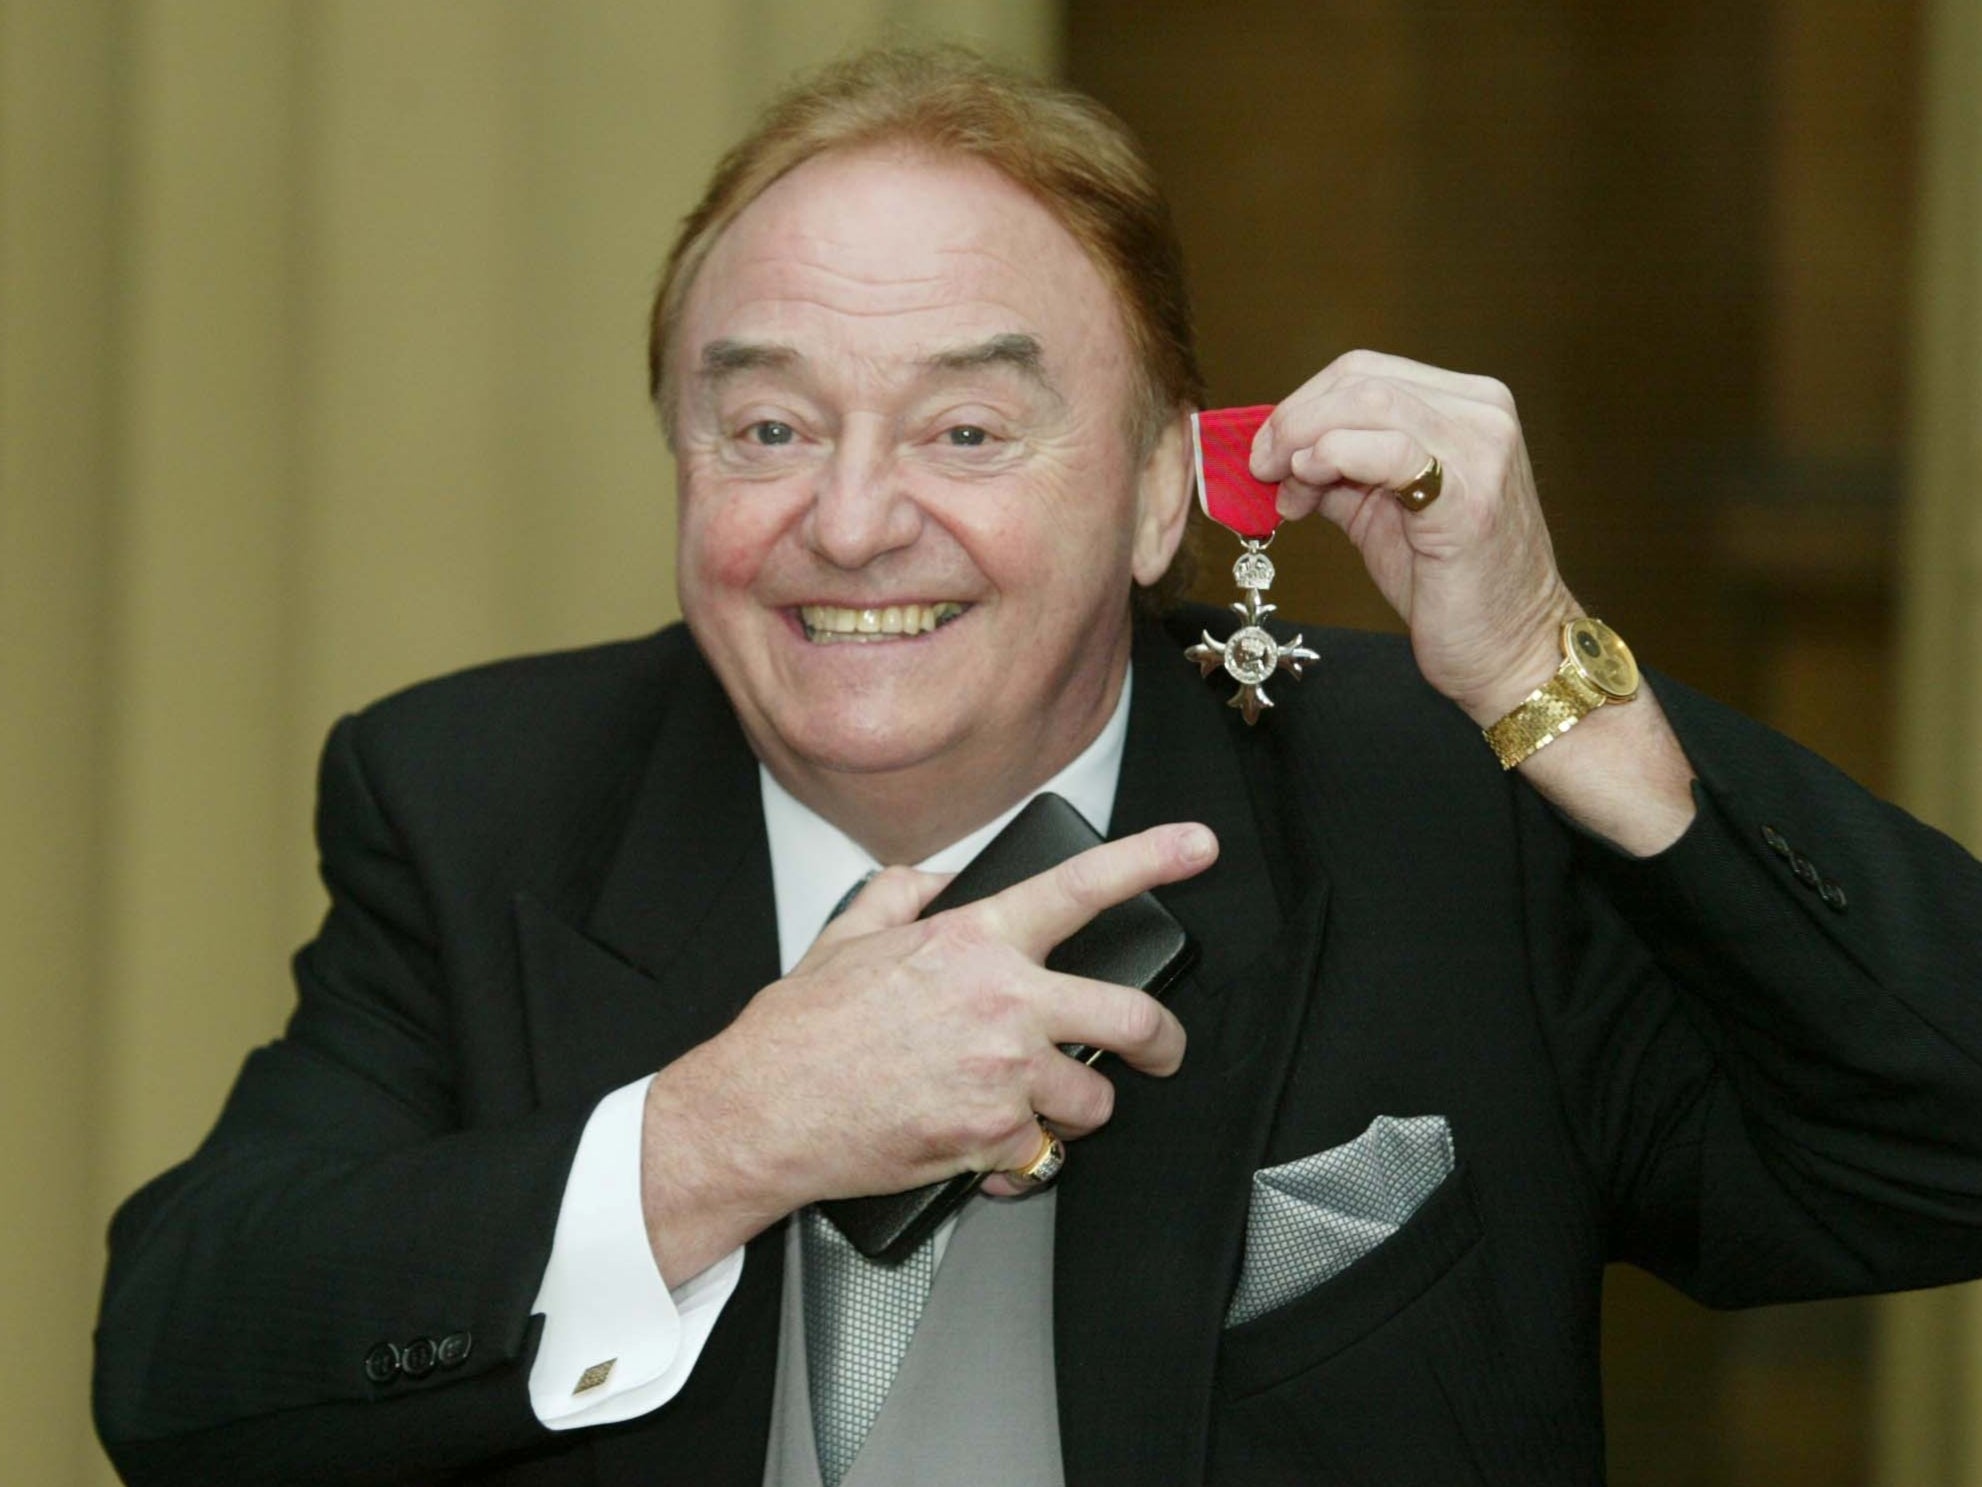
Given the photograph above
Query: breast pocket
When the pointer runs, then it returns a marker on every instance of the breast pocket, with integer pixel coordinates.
(1342, 1310)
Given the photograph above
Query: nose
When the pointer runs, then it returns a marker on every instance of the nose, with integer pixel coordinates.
(861, 509)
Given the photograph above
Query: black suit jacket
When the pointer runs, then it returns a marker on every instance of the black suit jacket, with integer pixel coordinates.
(550, 877)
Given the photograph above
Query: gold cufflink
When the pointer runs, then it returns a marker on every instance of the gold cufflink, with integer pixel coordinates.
(594, 1376)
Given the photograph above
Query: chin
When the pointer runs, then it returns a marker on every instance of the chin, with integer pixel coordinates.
(867, 745)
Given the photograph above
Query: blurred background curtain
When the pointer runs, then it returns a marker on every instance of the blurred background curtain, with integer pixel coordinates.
(321, 371)
(1929, 1374)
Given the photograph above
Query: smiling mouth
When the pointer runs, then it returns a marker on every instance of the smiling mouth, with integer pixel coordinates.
(828, 624)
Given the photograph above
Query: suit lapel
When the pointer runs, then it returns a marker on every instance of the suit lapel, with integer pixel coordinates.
(1152, 1208)
(683, 928)
(680, 932)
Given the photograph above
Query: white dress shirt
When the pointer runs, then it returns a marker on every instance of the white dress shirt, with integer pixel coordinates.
(610, 1321)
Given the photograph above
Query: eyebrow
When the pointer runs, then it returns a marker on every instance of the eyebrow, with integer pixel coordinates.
(726, 357)
(1014, 349)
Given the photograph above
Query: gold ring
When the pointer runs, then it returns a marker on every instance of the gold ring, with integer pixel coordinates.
(1424, 487)
(1045, 1164)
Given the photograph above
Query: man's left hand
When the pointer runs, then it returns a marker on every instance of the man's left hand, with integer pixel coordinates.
(1473, 574)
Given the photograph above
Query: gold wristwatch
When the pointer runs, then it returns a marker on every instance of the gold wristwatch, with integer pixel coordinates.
(1597, 668)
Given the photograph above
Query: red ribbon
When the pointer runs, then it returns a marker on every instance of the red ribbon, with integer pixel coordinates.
(1225, 486)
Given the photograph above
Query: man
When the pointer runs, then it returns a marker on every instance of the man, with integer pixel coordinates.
(525, 1194)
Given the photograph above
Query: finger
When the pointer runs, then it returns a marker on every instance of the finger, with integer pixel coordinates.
(1365, 365)
(1037, 914)
(997, 1185)
(1372, 405)
(1337, 501)
(1437, 412)
(892, 897)
(1070, 1100)
(1388, 458)
(1296, 500)
(1003, 1180)
(1121, 1019)
(1006, 1183)
(1440, 381)
(1070, 1097)
(1354, 508)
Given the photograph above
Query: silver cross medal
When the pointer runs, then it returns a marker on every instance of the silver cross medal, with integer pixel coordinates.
(1251, 656)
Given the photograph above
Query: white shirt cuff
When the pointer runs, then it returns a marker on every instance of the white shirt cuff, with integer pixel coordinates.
(616, 1342)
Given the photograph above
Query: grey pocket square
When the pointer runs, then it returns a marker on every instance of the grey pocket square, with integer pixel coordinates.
(1313, 1218)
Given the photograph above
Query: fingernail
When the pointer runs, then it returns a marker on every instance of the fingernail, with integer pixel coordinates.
(1284, 504)
(1198, 845)
(1263, 441)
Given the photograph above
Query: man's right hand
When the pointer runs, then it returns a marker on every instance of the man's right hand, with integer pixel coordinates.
(901, 1051)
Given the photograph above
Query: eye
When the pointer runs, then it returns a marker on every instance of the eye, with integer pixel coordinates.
(770, 432)
(967, 436)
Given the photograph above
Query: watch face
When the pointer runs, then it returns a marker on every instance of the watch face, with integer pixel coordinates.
(1602, 656)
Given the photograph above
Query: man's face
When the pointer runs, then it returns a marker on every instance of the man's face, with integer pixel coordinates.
(910, 501)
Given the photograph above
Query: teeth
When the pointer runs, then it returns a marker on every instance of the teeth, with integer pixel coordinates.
(828, 623)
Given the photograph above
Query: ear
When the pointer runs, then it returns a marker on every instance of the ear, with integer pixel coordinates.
(1163, 499)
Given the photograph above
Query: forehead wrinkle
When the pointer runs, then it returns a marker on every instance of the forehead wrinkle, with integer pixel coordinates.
(855, 277)
(852, 258)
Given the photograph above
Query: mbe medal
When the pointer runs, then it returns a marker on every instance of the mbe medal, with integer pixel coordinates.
(1221, 441)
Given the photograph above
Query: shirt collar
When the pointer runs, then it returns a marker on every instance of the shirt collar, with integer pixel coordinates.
(813, 862)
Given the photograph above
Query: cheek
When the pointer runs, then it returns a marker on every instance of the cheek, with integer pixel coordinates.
(1006, 543)
(1078, 519)
(1093, 529)
(726, 539)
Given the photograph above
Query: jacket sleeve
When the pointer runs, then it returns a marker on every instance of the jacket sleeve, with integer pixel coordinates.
(337, 1285)
(1776, 1068)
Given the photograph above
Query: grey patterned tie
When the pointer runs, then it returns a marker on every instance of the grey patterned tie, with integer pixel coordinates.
(860, 1316)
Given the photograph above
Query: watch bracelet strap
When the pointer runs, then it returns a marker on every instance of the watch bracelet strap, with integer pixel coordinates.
(1548, 712)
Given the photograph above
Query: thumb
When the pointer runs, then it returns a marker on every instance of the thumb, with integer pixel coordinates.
(891, 898)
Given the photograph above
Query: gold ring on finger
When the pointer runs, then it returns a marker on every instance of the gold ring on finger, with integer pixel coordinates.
(1424, 487)
(1046, 1163)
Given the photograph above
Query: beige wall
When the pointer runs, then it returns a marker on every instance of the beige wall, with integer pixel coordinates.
(320, 371)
